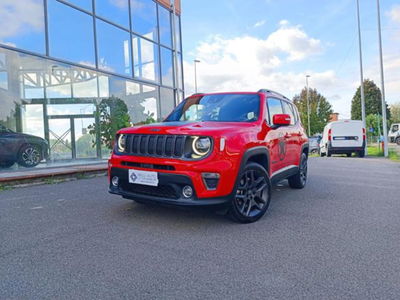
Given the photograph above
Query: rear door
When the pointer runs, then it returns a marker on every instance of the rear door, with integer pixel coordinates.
(347, 134)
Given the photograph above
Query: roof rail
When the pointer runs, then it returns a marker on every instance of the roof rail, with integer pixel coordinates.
(267, 91)
(196, 94)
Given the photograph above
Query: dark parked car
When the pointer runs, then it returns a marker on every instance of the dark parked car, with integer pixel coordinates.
(24, 149)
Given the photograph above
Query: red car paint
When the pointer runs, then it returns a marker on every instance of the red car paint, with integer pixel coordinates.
(284, 144)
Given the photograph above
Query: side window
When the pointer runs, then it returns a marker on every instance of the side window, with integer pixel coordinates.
(274, 107)
(287, 108)
(295, 112)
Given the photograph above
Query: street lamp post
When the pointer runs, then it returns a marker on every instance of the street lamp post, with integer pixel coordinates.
(308, 107)
(361, 72)
(384, 118)
(195, 74)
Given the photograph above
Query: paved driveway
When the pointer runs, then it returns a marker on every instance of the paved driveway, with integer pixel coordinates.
(338, 238)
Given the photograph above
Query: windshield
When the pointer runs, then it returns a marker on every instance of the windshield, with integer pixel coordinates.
(395, 128)
(218, 108)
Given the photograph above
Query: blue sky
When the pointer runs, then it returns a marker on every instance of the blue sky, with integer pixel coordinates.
(284, 41)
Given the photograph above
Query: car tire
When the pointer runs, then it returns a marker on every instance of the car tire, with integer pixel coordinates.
(348, 154)
(252, 194)
(361, 153)
(328, 153)
(398, 141)
(6, 164)
(299, 180)
(29, 155)
(322, 154)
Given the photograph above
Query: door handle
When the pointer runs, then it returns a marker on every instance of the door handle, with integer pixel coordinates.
(287, 135)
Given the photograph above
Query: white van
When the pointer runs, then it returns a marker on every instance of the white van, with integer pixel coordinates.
(394, 133)
(343, 137)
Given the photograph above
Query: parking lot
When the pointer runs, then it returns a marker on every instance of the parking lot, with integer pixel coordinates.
(337, 238)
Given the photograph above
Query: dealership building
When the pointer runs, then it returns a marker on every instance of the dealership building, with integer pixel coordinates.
(67, 67)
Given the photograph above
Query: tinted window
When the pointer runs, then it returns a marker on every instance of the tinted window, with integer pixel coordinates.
(113, 48)
(22, 24)
(145, 59)
(144, 18)
(167, 71)
(70, 34)
(274, 107)
(218, 108)
(165, 26)
(115, 11)
(289, 111)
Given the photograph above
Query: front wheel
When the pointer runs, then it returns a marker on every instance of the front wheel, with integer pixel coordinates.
(252, 195)
(29, 156)
(348, 154)
(299, 180)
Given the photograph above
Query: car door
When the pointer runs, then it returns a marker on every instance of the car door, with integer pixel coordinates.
(276, 139)
(7, 144)
(291, 135)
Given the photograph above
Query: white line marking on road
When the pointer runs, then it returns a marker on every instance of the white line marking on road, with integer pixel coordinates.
(37, 207)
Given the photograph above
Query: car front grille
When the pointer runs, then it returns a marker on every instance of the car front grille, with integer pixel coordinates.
(168, 146)
(161, 191)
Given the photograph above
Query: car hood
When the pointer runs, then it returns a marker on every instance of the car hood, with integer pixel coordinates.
(189, 128)
(32, 137)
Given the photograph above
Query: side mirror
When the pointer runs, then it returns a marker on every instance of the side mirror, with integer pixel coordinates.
(281, 120)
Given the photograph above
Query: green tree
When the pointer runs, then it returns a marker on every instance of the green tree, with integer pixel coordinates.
(374, 122)
(373, 102)
(320, 110)
(395, 112)
(112, 114)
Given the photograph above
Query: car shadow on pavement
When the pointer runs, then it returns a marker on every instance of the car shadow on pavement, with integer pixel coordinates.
(163, 214)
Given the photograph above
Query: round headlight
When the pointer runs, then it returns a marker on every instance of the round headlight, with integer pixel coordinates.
(201, 145)
(121, 143)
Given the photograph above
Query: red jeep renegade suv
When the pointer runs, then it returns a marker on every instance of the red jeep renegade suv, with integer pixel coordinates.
(214, 149)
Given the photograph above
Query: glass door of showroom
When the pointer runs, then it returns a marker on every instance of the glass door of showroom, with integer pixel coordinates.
(70, 138)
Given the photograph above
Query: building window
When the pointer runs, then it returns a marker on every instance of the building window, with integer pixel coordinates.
(144, 18)
(167, 71)
(145, 59)
(113, 49)
(141, 100)
(164, 17)
(85, 4)
(114, 11)
(70, 34)
(22, 25)
(167, 101)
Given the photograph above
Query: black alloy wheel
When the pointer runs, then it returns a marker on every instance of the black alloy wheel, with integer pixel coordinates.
(29, 156)
(252, 195)
(299, 180)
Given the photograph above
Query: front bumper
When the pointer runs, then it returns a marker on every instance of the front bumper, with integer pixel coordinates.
(168, 191)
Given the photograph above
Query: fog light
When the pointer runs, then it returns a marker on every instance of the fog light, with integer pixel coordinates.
(187, 191)
(115, 181)
(211, 180)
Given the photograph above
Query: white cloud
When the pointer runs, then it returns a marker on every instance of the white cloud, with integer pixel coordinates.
(20, 17)
(259, 23)
(250, 63)
(394, 13)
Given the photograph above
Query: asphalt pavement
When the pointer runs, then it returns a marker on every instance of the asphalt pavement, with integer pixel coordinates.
(339, 238)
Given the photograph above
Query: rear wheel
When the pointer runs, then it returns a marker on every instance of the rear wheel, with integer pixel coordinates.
(398, 141)
(252, 195)
(348, 154)
(361, 153)
(29, 156)
(328, 153)
(299, 180)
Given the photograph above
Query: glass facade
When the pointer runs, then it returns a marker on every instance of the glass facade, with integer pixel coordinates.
(69, 68)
